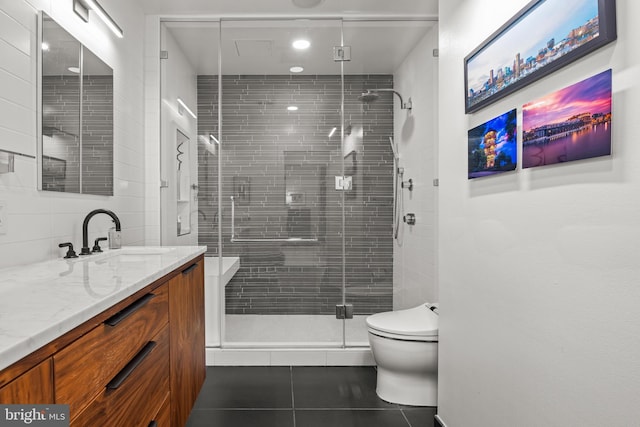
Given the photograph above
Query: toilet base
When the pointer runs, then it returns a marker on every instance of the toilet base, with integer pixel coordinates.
(407, 389)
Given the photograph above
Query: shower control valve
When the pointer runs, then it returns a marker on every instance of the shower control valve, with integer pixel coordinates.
(410, 219)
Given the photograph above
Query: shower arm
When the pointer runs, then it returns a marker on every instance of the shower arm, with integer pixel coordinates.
(405, 106)
(234, 239)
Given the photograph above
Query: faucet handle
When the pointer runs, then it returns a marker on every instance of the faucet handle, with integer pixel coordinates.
(96, 244)
(70, 252)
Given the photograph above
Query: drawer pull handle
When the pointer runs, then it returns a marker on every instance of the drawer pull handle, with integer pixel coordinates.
(121, 315)
(153, 424)
(189, 269)
(131, 366)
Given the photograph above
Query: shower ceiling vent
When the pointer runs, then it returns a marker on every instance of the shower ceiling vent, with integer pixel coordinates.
(307, 3)
(254, 48)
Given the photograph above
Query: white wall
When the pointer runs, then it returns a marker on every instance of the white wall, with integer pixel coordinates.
(414, 256)
(538, 269)
(37, 221)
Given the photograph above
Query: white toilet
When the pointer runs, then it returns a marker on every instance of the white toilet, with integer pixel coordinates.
(404, 344)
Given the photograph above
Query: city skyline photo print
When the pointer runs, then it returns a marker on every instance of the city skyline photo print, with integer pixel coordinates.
(543, 37)
(570, 124)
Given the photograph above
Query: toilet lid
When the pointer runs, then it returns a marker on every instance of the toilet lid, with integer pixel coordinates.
(417, 321)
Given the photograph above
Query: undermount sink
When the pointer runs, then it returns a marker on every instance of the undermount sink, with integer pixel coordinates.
(142, 250)
(129, 254)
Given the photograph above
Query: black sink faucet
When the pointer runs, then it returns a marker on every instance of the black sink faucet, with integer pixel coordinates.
(85, 226)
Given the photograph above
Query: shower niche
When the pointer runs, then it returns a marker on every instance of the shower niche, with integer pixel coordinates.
(305, 175)
(183, 183)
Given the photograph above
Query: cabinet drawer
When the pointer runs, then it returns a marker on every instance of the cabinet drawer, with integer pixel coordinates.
(83, 368)
(138, 396)
(162, 418)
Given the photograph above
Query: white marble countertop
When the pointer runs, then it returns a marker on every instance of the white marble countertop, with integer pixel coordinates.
(40, 302)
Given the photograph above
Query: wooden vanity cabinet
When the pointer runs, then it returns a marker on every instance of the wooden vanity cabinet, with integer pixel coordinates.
(188, 368)
(33, 387)
(139, 363)
(85, 367)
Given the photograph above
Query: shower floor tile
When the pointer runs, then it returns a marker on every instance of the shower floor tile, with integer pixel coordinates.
(266, 396)
(300, 329)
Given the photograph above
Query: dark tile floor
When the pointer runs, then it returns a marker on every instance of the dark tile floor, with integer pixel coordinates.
(299, 397)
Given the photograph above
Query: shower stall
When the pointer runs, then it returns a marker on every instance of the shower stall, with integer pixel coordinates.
(287, 161)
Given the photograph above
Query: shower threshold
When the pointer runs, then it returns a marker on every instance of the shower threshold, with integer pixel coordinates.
(349, 356)
(292, 340)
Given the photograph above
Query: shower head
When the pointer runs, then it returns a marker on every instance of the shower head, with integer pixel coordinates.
(371, 95)
(368, 97)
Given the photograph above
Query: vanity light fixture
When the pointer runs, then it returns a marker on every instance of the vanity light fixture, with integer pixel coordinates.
(82, 7)
(292, 108)
(301, 44)
(183, 107)
(296, 69)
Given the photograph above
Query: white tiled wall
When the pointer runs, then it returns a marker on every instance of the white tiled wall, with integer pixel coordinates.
(152, 129)
(37, 221)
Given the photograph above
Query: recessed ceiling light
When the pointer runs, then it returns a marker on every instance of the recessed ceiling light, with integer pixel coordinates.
(301, 44)
(306, 3)
(296, 69)
(292, 108)
(74, 70)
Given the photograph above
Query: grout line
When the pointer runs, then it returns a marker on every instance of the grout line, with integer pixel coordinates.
(405, 417)
(293, 400)
(241, 409)
(349, 409)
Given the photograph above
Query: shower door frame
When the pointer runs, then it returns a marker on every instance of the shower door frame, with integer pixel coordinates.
(219, 21)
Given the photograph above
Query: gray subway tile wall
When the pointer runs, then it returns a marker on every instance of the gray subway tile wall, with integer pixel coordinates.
(97, 135)
(61, 128)
(280, 166)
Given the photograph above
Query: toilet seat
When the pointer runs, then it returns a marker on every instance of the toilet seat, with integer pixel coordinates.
(414, 324)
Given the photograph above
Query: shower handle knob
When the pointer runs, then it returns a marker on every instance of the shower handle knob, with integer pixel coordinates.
(409, 218)
(408, 184)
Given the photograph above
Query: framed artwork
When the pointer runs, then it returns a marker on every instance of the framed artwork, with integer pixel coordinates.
(543, 37)
(493, 146)
(570, 124)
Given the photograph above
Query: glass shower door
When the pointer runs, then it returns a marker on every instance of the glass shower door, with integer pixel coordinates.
(374, 126)
(281, 153)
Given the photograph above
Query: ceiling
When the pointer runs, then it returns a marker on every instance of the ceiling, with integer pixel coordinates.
(272, 8)
(264, 47)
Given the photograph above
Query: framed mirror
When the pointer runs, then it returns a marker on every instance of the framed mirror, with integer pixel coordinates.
(75, 152)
